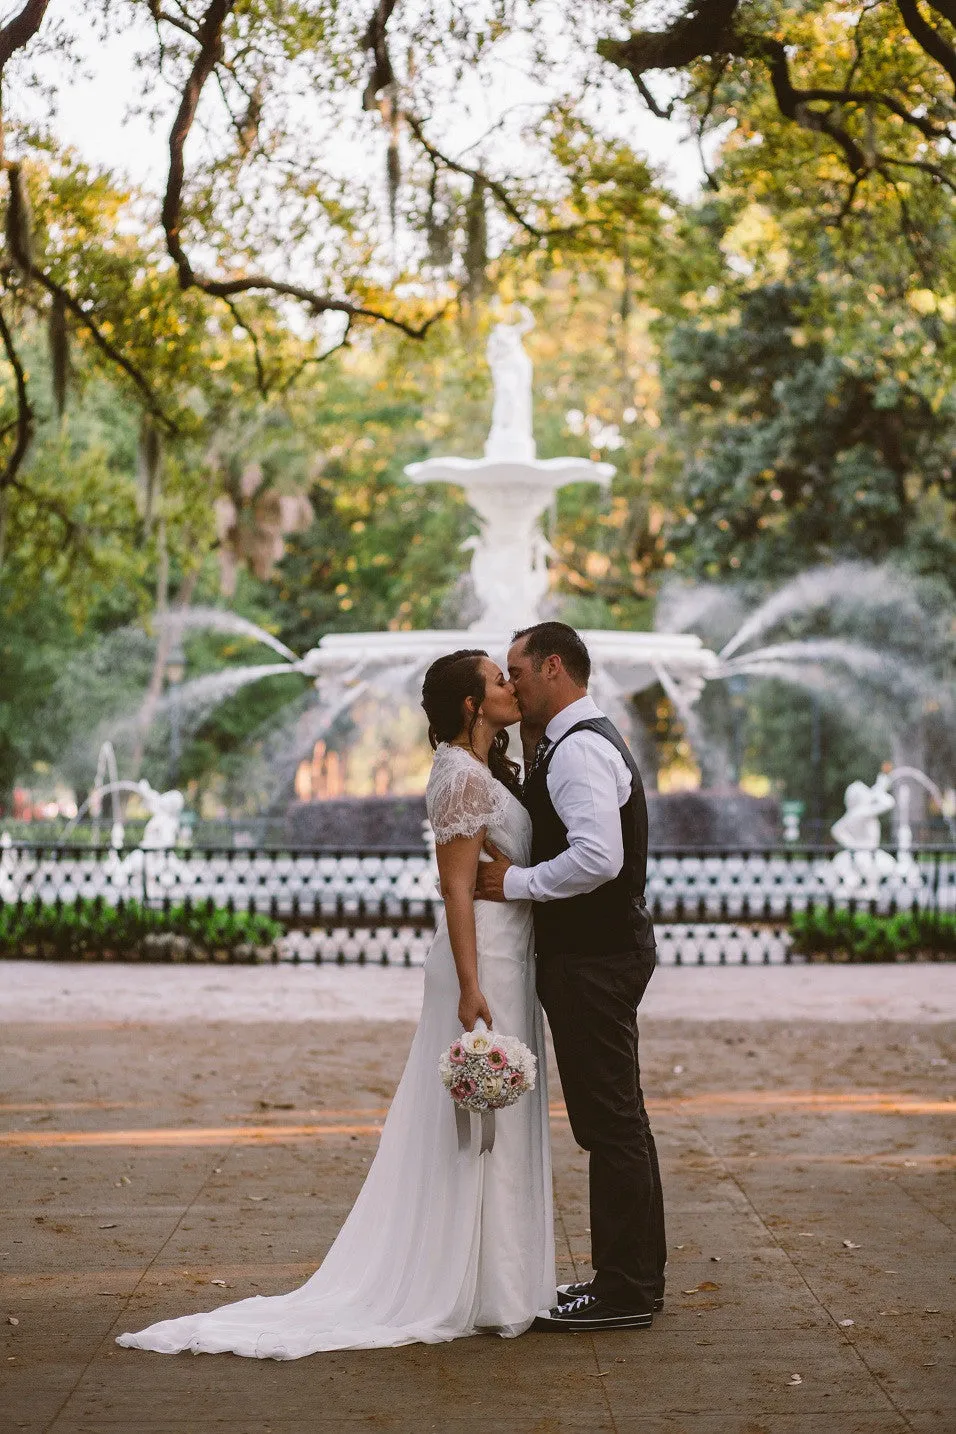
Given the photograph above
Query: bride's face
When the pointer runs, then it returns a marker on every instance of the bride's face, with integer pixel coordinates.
(499, 707)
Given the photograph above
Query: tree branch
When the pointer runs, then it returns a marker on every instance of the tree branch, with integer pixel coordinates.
(382, 75)
(261, 382)
(300, 368)
(928, 38)
(25, 263)
(710, 30)
(211, 43)
(493, 185)
(16, 32)
(924, 166)
(24, 422)
(158, 14)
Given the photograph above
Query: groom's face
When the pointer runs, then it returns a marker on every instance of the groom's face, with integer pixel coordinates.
(530, 684)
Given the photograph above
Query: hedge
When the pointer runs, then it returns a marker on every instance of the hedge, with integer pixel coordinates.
(92, 930)
(821, 934)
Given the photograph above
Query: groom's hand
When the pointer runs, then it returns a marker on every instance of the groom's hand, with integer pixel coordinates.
(489, 881)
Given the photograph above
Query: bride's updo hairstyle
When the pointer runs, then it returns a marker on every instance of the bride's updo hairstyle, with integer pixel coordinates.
(448, 682)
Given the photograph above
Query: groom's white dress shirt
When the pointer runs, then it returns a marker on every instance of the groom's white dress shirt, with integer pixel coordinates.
(588, 783)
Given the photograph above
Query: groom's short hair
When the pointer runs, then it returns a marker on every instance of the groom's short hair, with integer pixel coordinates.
(557, 639)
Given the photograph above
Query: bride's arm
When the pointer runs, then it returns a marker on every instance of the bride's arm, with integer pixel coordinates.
(457, 865)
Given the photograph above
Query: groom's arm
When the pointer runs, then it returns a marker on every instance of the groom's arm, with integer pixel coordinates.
(585, 782)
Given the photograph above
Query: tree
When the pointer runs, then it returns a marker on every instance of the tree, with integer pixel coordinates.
(796, 457)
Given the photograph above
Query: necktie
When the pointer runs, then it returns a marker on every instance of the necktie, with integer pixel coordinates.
(540, 752)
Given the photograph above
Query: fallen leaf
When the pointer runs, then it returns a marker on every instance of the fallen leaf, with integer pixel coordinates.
(601, 1374)
(849, 1245)
(845, 1323)
(218, 1282)
(257, 1197)
(716, 1259)
(678, 1070)
(110, 1225)
(930, 1311)
(12, 1320)
(795, 1379)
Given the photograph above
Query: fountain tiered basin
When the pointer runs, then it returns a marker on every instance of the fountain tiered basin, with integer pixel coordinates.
(510, 489)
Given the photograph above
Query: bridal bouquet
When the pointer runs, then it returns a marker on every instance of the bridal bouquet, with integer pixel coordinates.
(483, 1071)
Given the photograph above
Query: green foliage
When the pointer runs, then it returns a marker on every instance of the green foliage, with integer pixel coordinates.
(796, 458)
(860, 936)
(92, 930)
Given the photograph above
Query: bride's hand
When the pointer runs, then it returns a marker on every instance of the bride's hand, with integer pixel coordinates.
(472, 1006)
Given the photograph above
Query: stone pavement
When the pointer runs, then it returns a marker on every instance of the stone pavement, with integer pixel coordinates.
(150, 1168)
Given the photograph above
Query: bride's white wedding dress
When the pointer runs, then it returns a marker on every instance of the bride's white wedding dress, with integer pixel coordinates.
(440, 1242)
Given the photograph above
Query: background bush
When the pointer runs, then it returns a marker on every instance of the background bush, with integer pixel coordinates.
(861, 936)
(91, 930)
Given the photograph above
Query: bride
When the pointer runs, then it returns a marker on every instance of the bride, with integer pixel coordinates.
(440, 1242)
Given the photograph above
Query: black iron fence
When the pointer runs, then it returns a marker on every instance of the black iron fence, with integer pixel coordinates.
(380, 906)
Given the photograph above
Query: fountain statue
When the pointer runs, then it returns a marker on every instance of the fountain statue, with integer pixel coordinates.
(165, 810)
(510, 489)
(511, 435)
(863, 864)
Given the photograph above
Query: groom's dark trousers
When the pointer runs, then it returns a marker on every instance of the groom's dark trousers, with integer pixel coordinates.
(595, 956)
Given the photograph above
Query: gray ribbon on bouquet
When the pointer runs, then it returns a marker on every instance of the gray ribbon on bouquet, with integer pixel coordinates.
(463, 1125)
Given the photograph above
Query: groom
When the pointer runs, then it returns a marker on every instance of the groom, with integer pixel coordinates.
(595, 955)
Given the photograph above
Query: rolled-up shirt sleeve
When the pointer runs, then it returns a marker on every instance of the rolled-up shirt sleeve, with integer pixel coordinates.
(585, 781)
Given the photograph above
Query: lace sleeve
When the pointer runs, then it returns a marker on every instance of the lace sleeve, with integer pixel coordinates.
(461, 797)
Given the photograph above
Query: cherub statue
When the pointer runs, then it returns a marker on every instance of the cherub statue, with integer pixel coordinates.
(165, 809)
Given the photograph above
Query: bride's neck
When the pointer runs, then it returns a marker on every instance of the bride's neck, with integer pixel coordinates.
(479, 743)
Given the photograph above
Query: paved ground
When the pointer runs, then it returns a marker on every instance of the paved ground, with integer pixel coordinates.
(808, 1173)
(55, 991)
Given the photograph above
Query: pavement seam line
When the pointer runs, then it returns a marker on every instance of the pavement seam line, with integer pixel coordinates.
(897, 1181)
(799, 1273)
(96, 1351)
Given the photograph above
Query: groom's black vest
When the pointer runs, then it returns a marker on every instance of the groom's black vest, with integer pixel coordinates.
(613, 917)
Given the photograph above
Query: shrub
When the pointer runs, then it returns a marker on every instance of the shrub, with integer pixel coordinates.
(93, 930)
(822, 934)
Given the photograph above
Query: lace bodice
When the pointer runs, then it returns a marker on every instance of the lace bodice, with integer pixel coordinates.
(462, 797)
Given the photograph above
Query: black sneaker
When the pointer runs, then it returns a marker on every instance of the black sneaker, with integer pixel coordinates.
(587, 1312)
(574, 1292)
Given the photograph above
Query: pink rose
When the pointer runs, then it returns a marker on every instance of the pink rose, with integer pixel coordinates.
(457, 1054)
(497, 1058)
(466, 1087)
(516, 1079)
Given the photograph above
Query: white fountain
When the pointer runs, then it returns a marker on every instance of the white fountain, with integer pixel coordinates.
(510, 489)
